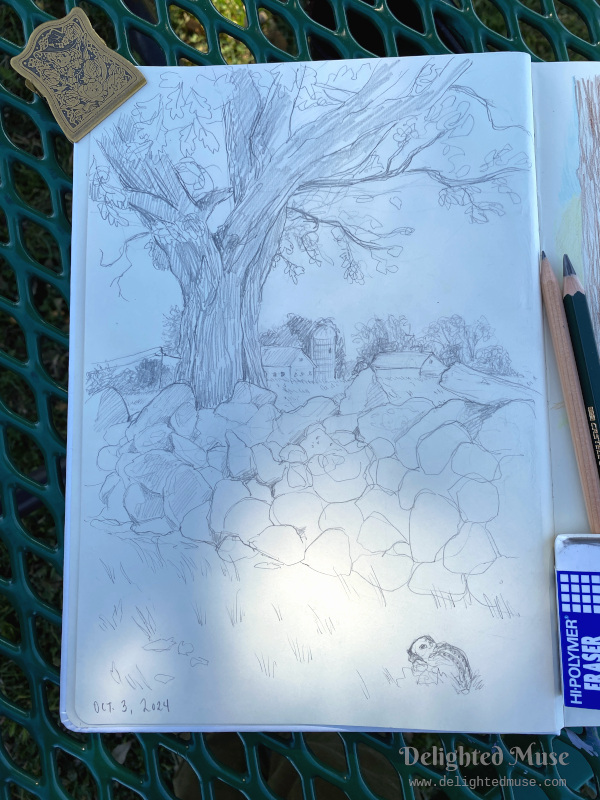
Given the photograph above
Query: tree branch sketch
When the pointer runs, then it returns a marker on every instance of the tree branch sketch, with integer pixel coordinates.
(234, 452)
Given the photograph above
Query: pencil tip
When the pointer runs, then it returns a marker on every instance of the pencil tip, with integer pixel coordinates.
(543, 255)
(568, 268)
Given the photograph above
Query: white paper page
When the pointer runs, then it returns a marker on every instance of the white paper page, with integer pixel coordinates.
(560, 136)
(314, 441)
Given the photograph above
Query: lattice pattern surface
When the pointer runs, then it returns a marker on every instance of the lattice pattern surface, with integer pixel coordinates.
(38, 757)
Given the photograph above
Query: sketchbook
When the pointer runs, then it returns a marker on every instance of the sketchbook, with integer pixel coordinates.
(309, 476)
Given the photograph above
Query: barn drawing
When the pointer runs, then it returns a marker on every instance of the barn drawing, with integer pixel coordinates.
(287, 363)
(410, 363)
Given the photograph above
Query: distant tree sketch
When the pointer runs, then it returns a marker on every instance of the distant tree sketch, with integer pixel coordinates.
(381, 336)
(453, 340)
(304, 158)
(587, 92)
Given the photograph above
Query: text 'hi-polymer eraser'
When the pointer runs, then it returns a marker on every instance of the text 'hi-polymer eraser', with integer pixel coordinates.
(577, 561)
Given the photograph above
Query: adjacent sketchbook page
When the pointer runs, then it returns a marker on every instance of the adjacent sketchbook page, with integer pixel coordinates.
(567, 113)
(309, 474)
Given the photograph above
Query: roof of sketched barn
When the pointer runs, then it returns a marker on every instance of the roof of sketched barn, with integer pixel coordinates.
(283, 356)
(404, 359)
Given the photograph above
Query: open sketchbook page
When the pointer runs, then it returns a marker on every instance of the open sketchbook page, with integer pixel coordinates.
(309, 476)
(567, 109)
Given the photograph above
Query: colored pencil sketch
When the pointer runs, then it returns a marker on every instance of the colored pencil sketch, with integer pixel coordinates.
(373, 456)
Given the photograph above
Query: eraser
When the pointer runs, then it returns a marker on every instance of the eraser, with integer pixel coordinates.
(577, 560)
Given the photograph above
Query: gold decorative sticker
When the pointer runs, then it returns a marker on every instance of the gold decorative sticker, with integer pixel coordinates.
(81, 78)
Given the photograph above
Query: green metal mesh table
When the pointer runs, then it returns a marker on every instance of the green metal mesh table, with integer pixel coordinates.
(39, 757)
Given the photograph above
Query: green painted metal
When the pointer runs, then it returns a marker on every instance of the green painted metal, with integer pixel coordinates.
(38, 757)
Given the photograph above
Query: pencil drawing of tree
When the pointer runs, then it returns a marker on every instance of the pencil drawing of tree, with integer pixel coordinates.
(302, 153)
(587, 92)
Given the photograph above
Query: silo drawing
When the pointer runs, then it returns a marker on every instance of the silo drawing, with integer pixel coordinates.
(323, 352)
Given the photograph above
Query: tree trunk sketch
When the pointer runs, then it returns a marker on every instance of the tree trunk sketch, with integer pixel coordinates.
(588, 110)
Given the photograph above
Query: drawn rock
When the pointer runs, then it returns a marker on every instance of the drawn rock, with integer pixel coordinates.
(293, 454)
(125, 458)
(343, 438)
(188, 451)
(210, 429)
(236, 412)
(433, 521)
(268, 470)
(226, 494)
(382, 448)
(390, 421)
(342, 464)
(110, 408)
(390, 472)
(211, 475)
(436, 449)
(295, 478)
(478, 502)
(259, 491)
(245, 392)
(300, 509)
(142, 504)
(232, 548)
(387, 571)
(280, 542)
(163, 406)
(195, 524)
(495, 586)
(483, 388)
(345, 516)
(317, 442)
(157, 527)
(185, 648)
(185, 489)
(332, 490)
(112, 495)
(364, 393)
(247, 518)
(502, 432)
(447, 412)
(107, 458)
(115, 434)
(240, 461)
(377, 535)
(291, 426)
(107, 487)
(340, 423)
(183, 420)
(329, 554)
(155, 437)
(152, 469)
(470, 551)
(259, 427)
(416, 481)
(217, 457)
(384, 503)
(474, 462)
(434, 579)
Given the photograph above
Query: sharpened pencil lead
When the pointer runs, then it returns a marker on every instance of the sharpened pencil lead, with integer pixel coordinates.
(544, 255)
(568, 268)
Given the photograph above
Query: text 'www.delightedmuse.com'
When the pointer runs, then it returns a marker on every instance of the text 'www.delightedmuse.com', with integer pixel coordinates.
(481, 783)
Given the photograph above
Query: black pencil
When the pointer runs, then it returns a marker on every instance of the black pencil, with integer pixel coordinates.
(584, 349)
